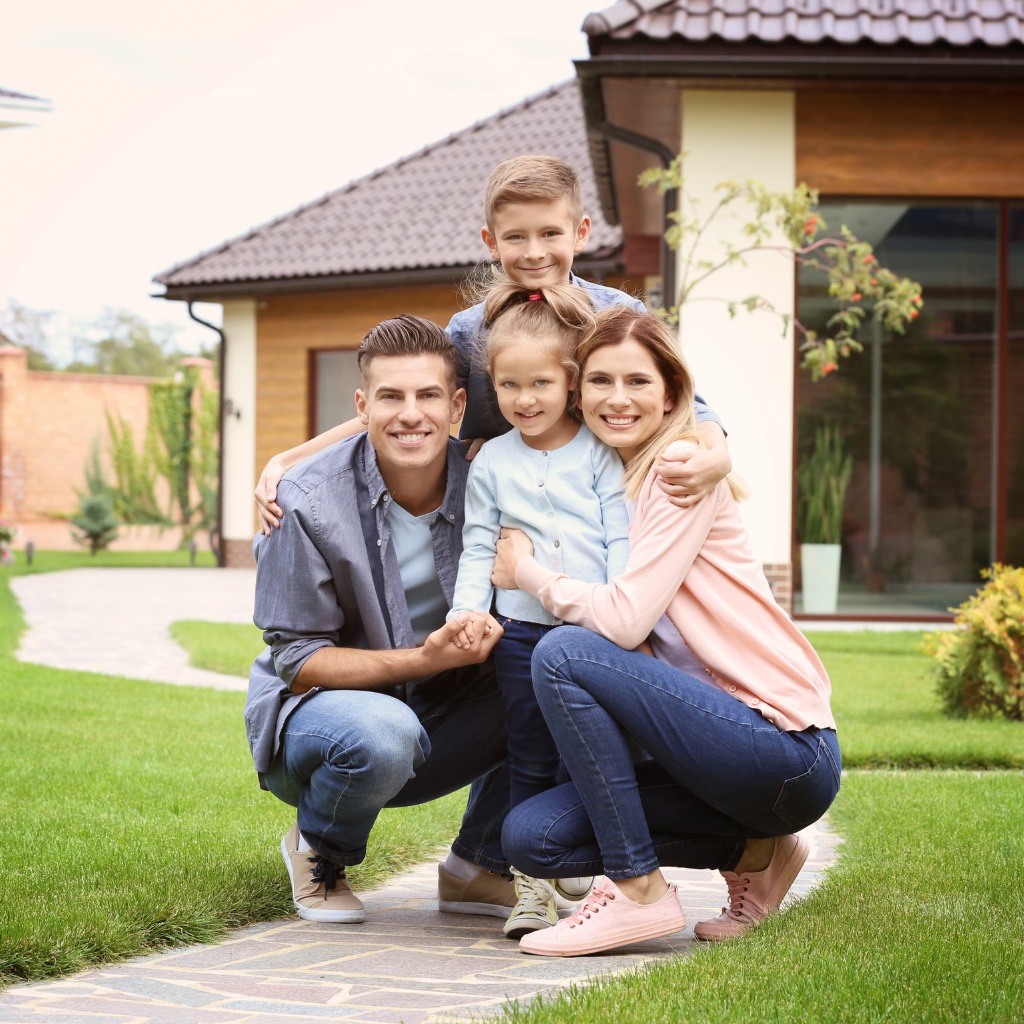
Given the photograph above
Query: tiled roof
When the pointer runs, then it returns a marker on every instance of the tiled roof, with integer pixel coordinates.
(995, 23)
(422, 212)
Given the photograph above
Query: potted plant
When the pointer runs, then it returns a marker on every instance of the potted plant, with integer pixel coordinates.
(822, 480)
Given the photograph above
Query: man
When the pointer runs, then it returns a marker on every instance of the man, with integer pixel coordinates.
(360, 700)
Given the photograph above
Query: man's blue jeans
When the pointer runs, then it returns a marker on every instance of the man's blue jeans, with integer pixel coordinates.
(347, 754)
(718, 773)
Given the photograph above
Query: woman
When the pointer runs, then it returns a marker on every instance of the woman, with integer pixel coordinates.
(740, 742)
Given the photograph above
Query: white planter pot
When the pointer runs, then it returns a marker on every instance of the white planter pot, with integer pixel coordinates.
(820, 569)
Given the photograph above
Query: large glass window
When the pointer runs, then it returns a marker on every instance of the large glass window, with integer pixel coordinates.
(917, 411)
(1013, 390)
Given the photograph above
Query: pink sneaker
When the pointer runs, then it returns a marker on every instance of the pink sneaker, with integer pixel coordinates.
(754, 895)
(607, 919)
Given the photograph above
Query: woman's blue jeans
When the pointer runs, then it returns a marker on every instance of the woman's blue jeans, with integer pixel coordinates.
(347, 754)
(719, 773)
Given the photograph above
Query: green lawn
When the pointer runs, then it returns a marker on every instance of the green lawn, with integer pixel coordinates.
(131, 820)
(922, 920)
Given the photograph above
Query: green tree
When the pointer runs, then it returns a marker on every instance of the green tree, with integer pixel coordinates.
(94, 524)
(29, 329)
(788, 223)
(124, 343)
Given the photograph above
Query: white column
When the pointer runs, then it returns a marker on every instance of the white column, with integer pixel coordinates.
(744, 366)
(239, 453)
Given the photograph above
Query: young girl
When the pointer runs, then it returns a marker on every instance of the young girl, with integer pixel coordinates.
(550, 477)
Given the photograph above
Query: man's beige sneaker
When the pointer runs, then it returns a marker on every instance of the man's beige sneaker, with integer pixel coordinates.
(489, 894)
(535, 906)
(320, 890)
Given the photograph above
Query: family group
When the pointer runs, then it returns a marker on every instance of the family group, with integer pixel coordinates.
(568, 619)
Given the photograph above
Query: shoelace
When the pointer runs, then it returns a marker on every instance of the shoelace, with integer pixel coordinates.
(328, 873)
(737, 897)
(597, 899)
(536, 890)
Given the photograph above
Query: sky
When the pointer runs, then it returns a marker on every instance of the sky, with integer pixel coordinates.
(175, 127)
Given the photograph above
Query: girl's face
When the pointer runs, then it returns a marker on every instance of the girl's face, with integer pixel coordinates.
(623, 396)
(533, 390)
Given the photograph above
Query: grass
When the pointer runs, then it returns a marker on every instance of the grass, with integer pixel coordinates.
(132, 821)
(919, 921)
(228, 647)
(888, 714)
(132, 818)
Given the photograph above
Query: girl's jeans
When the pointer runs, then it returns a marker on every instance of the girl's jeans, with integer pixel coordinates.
(532, 754)
(718, 772)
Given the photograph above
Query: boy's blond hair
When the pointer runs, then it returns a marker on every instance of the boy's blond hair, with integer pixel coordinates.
(531, 179)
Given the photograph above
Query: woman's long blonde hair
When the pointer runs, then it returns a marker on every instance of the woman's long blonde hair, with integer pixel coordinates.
(618, 324)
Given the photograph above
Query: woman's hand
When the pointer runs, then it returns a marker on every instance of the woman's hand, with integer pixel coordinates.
(511, 546)
(267, 509)
(689, 474)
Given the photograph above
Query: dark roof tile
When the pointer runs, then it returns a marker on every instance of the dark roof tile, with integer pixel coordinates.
(424, 211)
(994, 23)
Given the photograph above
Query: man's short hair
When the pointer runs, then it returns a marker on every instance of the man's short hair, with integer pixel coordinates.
(531, 179)
(408, 335)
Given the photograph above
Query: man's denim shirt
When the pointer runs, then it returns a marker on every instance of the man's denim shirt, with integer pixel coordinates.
(329, 576)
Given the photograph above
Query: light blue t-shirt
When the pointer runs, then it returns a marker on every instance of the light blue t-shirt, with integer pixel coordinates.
(415, 553)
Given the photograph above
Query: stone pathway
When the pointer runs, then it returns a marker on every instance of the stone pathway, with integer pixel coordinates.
(407, 963)
(115, 621)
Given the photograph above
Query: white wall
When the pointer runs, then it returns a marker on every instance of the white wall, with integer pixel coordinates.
(744, 366)
(239, 385)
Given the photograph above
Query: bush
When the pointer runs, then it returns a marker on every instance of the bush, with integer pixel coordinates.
(95, 522)
(979, 665)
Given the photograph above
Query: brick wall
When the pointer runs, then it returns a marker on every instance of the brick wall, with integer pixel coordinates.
(48, 422)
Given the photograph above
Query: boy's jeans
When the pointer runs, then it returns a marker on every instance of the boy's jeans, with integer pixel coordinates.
(719, 773)
(532, 756)
(346, 754)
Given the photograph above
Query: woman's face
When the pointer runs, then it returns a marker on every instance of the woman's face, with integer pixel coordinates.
(623, 396)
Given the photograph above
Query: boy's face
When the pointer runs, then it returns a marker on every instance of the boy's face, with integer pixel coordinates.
(536, 242)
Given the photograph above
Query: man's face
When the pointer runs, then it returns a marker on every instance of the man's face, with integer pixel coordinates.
(408, 409)
(536, 242)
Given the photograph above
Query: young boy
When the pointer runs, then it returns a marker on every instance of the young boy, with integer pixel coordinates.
(535, 226)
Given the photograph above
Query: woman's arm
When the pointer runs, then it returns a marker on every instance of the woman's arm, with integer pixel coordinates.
(266, 487)
(664, 542)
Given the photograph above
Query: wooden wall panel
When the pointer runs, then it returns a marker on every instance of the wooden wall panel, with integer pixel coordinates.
(288, 327)
(901, 143)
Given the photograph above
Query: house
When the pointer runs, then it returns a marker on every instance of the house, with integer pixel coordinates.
(300, 292)
(906, 115)
(18, 109)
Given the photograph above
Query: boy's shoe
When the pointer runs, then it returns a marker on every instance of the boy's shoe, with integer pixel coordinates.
(605, 920)
(489, 893)
(753, 895)
(570, 891)
(534, 909)
(320, 890)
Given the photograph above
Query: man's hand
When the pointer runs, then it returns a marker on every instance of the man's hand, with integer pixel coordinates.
(510, 547)
(268, 510)
(465, 639)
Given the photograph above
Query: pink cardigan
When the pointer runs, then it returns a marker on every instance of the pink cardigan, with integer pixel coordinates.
(695, 565)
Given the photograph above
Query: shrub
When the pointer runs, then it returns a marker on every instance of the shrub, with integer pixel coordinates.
(979, 665)
(95, 523)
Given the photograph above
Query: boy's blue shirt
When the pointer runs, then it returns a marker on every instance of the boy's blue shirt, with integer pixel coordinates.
(483, 417)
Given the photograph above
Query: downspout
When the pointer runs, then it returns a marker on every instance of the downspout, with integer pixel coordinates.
(220, 432)
(594, 114)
